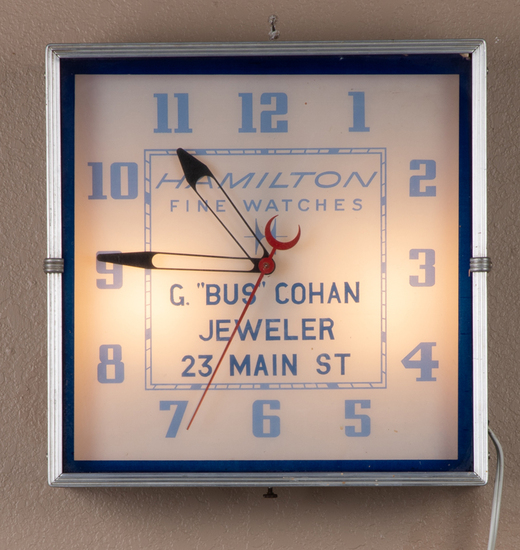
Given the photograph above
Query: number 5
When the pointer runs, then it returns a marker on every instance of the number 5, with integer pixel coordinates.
(364, 419)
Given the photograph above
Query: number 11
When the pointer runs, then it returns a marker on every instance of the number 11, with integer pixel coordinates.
(183, 114)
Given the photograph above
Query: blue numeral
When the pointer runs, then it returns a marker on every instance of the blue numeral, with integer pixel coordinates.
(180, 409)
(426, 363)
(121, 188)
(363, 419)
(115, 270)
(97, 181)
(183, 114)
(266, 117)
(162, 114)
(428, 266)
(266, 425)
(208, 369)
(111, 370)
(191, 361)
(358, 112)
(267, 125)
(430, 172)
(116, 180)
(247, 114)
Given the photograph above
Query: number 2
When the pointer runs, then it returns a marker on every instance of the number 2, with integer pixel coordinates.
(430, 173)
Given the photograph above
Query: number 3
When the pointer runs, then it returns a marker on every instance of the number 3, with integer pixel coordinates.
(428, 266)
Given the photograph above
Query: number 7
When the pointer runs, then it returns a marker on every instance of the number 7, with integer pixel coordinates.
(177, 415)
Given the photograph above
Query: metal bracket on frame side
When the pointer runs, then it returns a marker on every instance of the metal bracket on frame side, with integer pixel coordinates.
(53, 265)
(481, 264)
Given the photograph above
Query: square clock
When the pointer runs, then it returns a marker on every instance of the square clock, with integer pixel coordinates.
(267, 264)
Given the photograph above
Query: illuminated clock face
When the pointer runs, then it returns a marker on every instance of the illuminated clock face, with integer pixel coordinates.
(348, 351)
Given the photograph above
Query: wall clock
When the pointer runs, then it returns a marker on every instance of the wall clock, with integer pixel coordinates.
(267, 264)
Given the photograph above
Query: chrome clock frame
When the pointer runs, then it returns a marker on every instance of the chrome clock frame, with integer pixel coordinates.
(473, 49)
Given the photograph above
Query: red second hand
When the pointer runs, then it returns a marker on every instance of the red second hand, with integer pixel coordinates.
(266, 266)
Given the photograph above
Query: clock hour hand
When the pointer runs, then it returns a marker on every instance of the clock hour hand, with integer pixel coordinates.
(194, 170)
(181, 262)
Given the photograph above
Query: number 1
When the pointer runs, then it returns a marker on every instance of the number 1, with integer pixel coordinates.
(358, 112)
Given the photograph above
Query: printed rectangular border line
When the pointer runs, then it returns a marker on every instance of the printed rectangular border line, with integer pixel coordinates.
(380, 384)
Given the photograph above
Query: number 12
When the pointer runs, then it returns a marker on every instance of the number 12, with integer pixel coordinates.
(266, 117)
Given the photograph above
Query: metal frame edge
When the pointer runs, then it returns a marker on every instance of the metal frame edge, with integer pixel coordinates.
(54, 52)
(54, 280)
(479, 281)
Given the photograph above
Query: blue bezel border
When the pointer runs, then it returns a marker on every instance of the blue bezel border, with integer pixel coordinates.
(438, 63)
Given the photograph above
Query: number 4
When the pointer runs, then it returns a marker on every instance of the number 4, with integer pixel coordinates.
(425, 363)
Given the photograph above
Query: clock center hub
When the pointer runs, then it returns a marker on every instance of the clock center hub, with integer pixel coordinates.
(266, 266)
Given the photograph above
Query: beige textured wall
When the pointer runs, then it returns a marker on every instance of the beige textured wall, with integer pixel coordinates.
(32, 515)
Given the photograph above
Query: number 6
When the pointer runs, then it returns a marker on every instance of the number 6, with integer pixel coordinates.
(264, 425)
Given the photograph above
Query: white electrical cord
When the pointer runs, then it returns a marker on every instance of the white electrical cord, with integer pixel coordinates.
(497, 494)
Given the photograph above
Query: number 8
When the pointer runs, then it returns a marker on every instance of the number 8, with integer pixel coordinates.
(110, 355)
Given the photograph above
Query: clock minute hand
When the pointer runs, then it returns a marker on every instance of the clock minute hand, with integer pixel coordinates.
(194, 169)
(266, 266)
(182, 262)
